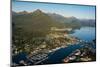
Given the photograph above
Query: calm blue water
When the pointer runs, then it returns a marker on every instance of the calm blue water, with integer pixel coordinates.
(84, 33)
(61, 54)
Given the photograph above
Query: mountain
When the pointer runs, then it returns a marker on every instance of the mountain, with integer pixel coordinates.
(57, 17)
(23, 12)
(38, 23)
(88, 22)
(72, 21)
(62, 19)
(27, 26)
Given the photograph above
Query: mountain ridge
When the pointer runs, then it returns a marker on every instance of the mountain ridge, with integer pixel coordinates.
(41, 22)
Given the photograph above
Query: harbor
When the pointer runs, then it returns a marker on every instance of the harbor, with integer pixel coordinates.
(61, 52)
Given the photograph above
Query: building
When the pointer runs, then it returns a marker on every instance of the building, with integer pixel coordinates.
(57, 33)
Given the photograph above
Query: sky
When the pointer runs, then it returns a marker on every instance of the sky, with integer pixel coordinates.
(67, 10)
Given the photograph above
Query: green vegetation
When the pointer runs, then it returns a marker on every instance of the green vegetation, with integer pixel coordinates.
(36, 22)
(29, 28)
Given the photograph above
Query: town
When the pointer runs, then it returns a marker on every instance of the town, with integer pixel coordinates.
(55, 40)
(87, 53)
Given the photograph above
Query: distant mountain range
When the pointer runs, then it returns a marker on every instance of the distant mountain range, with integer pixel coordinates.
(82, 22)
(39, 23)
(88, 22)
